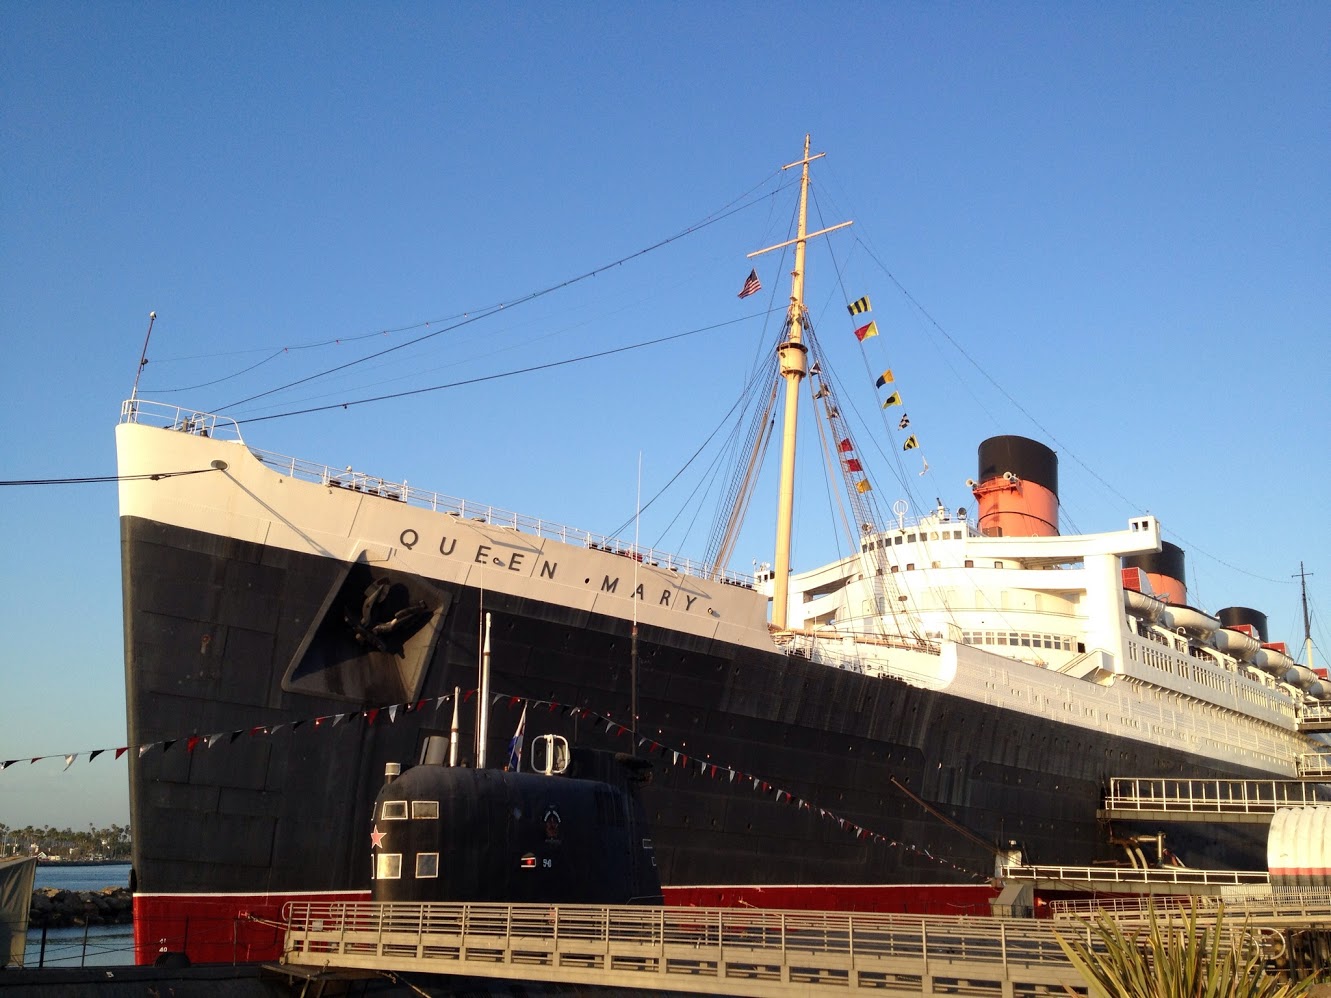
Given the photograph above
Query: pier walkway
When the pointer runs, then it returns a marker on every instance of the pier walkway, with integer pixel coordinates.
(1252, 801)
(696, 950)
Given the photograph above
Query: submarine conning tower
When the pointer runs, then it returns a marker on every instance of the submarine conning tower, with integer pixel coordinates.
(1017, 494)
(1164, 570)
(1232, 616)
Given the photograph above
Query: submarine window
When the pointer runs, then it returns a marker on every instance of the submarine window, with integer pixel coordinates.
(427, 865)
(393, 810)
(424, 809)
(388, 866)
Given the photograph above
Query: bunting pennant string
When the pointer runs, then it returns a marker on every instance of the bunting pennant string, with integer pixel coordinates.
(705, 767)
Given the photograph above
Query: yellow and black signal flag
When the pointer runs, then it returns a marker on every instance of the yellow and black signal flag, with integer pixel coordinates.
(911, 443)
(863, 486)
(893, 399)
(885, 378)
(856, 307)
(864, 332)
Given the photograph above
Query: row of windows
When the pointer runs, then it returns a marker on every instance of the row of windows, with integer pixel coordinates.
(933, 535)
(1017, 639)
(388, 866)
(396, 810)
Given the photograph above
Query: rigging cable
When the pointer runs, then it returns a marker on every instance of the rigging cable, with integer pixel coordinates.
(496, 377)
(96, 479)
(485, 312)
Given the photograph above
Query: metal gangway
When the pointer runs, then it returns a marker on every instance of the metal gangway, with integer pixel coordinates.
(1135, 880)
(1251, 801)
(696, 950)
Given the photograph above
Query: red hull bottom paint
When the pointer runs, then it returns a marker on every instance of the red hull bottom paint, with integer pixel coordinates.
(218, 928)
(245, 928)
(913, 899)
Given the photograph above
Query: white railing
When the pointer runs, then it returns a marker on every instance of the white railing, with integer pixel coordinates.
(1241, 902)
(1180, 876)
(1211, 796)
(209, 425)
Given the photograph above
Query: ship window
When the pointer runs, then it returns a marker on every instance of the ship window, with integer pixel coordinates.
(970, 563)
(998, 564)
(896, 568)
(425, 809)
(393, 810)
(910, 566)
(388, 866)
(897, 539)
(427, 865)
(910, 538)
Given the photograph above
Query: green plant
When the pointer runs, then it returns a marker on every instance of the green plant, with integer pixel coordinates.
(1165, 958)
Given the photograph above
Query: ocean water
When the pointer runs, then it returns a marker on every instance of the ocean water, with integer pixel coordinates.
(79, 946)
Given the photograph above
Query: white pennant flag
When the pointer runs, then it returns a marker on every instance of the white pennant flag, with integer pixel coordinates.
(69, 760)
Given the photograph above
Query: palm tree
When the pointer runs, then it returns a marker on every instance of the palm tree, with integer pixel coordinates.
(1162, 959)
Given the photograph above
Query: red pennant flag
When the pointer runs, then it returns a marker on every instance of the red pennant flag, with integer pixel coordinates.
(470, 694)
(853, 465)
(371, 714)
(845, 446)
(121, 751)
(190, 743)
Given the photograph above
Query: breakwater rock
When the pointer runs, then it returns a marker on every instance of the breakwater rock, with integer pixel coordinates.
(57, 909)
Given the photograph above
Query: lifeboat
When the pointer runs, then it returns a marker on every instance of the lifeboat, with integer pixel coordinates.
(1188, 619)
(1273, 660)
(1242, 646)
(1302, 677)
(1142, 605)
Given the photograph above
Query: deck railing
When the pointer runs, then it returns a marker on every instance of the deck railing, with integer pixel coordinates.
(209, 425)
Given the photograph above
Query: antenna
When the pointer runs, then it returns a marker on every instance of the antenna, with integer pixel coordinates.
(143, 356)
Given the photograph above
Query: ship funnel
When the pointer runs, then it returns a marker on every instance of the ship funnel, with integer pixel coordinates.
(1164, 570)
(392, 770)
(1232, 616)
(1018, 488)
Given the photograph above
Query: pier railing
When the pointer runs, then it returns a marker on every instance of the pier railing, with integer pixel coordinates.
(700, 950)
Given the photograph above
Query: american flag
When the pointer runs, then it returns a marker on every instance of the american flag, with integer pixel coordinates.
(751, 285)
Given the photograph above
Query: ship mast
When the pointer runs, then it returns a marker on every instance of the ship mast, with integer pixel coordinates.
(1307, 623)
(794, 366)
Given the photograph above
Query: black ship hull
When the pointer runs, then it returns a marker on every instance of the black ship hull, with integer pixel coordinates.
(215, 629)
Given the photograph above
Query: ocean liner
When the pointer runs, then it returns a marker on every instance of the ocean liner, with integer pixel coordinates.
(870, 733)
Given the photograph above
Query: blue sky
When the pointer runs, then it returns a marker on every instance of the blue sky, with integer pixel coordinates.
(1115, 218)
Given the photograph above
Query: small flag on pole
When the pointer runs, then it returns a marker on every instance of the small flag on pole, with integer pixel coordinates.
(863, 486)
(925, 469)
(885, 378)
(893, 399)
(911, 443)
(845, 446)
(856, 307)
(515, 743)
(751, 285)
(864, 332)
(903, 422)
(853, 465)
